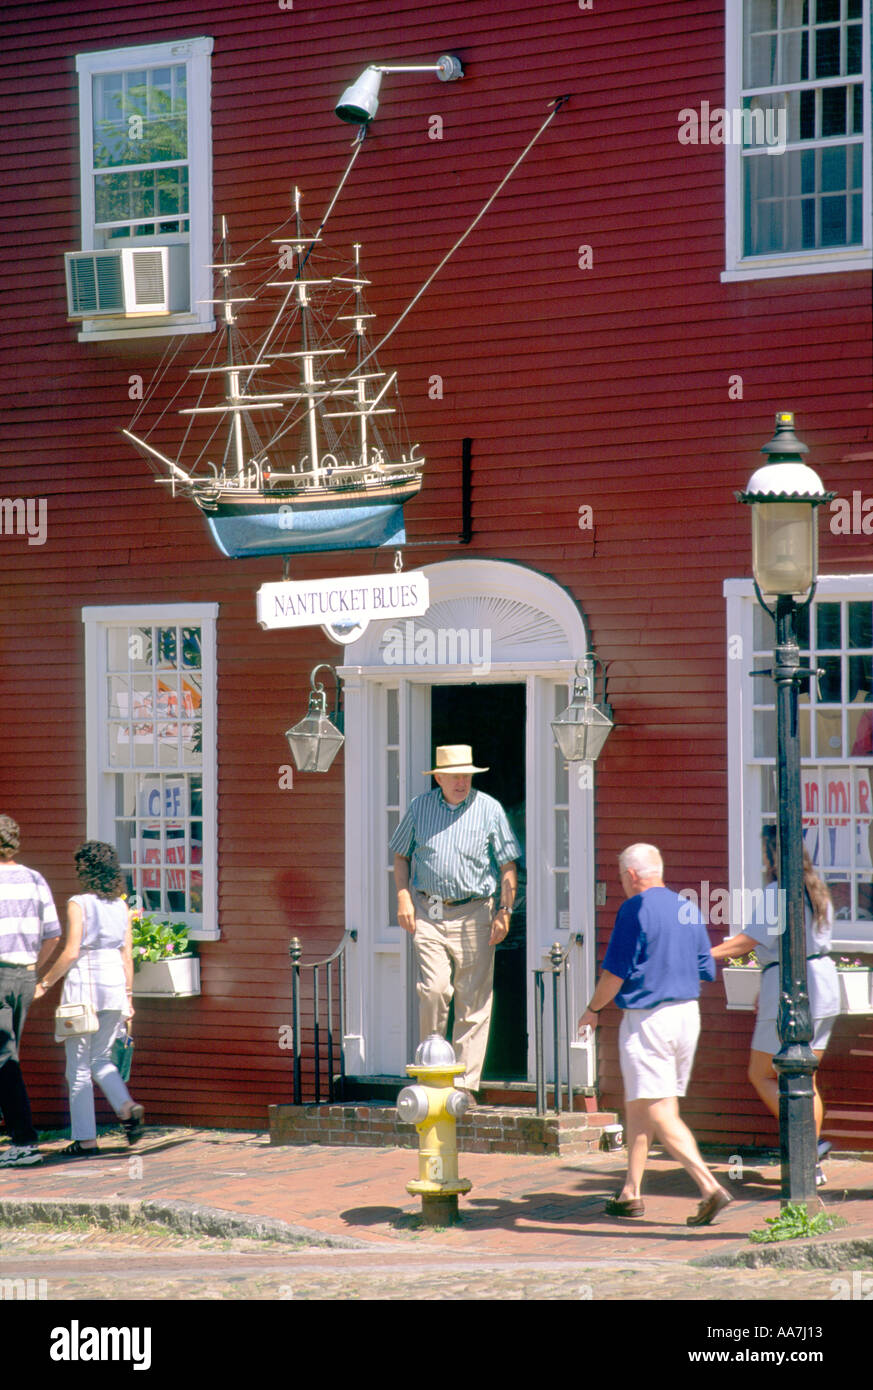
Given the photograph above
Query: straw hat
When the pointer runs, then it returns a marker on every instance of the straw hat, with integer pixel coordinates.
(454, 757)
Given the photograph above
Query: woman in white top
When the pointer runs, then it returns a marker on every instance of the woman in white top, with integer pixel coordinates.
(761, 935)
(97, 960)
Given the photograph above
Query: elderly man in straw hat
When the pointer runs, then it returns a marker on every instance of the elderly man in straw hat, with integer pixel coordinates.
(453, 852)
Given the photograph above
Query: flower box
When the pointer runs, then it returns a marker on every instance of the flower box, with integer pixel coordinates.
(742, 985)
(177, 975)
(855, 991)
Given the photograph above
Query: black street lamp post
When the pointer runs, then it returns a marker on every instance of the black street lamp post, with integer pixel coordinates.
(784, 495)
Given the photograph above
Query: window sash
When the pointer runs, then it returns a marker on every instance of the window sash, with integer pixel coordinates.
(837, 830)
(154, 793)
(821, 237)
(188, 218)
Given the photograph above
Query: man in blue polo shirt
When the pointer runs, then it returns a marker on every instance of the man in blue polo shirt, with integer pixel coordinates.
(657, 955)
(452, 850)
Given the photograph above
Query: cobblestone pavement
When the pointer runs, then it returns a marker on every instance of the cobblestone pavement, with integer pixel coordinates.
(153, 1264)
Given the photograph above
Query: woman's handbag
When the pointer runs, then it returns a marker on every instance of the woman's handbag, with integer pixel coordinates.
(121, 1052)
(74, 1020)
(71, 1020)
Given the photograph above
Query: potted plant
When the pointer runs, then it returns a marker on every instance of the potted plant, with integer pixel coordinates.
(854, 976)
(742, 981)
(164, 962)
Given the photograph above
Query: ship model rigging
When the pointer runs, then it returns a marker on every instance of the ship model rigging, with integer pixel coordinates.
(329, 471)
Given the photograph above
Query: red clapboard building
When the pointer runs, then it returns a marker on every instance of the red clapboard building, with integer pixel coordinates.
(659, 275)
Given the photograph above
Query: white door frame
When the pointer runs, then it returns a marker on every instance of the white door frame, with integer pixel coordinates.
(536, 634)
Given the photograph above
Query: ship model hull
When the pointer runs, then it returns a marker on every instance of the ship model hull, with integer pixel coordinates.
(264, 530)
(350, 519)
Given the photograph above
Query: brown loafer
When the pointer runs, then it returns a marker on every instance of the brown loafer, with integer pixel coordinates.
(709, 1208)
(625, 1206)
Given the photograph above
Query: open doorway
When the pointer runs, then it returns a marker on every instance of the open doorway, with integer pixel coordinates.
(491, 718)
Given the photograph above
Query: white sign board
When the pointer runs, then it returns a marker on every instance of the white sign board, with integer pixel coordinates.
(338, 603)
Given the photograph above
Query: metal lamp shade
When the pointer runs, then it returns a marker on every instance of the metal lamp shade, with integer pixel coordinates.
(581, 731)
(314, 742)
(360, 102)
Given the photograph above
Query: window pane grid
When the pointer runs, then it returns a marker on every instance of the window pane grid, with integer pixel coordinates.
(797, 58)
(836, 740)
(140, 126)
(159, 836)
(153, 748)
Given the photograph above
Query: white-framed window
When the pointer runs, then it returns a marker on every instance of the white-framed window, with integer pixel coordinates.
(835, 715)
(145, 141)
(798, 168)
(151, 753)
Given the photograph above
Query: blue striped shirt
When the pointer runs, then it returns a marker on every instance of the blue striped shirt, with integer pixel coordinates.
(455, 851)
(27, 914)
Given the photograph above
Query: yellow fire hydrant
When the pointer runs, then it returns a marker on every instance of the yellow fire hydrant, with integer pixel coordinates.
(433, 1106)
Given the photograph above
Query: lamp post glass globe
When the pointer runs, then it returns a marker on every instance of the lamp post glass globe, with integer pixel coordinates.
(783, 495)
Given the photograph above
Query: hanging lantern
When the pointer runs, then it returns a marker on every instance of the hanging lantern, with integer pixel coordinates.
(583, 728)
(317, 739)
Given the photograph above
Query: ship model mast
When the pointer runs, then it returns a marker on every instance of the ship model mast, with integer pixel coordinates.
(254, 471)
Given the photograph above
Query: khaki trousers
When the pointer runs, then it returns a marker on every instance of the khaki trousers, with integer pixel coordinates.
(460, 940)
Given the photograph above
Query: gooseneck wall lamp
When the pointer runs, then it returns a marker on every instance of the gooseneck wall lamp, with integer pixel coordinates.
(784, 495)
(360, 102)
(317, 739)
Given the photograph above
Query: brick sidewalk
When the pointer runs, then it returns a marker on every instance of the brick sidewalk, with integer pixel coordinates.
(543, 1207)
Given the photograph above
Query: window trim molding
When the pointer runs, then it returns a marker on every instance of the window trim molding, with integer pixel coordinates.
(741, 267)
(738, 617)
(195, 53)
(205, 616)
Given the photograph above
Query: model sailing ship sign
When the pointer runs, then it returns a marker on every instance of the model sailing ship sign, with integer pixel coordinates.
(306, 454)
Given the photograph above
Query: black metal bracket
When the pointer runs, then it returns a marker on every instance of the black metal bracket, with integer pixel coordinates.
(466, 533)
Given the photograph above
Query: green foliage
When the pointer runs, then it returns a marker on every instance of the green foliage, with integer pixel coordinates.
(155, 940)
(795, 1223)
(749, 962)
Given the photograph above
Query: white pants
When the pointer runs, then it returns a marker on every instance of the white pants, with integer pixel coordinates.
(87, 1057)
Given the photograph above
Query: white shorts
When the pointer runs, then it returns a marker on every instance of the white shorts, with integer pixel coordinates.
(656, 1048)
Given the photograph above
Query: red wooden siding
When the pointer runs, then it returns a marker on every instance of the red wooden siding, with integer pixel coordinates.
(606, 387)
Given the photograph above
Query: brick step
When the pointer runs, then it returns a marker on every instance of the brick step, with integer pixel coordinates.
(486, 1129)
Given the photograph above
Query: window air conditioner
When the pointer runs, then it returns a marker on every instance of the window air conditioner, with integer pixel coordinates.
(126, 283)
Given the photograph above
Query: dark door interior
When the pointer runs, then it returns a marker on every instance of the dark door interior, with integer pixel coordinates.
(491, 718)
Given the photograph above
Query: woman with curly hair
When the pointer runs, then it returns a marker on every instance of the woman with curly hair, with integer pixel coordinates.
(761, 935)
(97, 960)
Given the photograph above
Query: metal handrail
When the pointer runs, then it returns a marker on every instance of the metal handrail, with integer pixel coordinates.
(295, 951)
(558, 958)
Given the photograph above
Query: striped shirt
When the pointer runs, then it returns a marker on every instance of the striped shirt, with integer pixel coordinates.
(455, 851)
(97, 977)
(27, 914)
